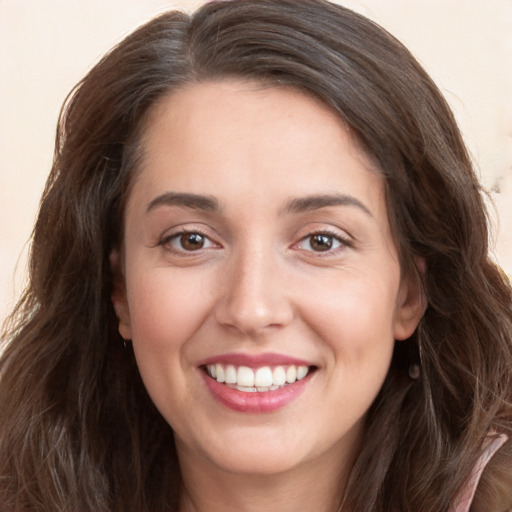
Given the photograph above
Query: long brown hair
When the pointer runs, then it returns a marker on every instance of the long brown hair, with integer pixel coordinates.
(78, 431)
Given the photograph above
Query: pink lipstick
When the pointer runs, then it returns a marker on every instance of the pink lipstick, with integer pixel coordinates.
(256, 383)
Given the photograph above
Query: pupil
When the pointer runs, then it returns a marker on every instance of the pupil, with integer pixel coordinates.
(192, 241)
(321, 242)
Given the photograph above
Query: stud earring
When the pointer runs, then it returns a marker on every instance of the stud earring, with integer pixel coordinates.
(414, 371)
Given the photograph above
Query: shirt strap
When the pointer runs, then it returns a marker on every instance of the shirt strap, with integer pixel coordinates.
(493, 442)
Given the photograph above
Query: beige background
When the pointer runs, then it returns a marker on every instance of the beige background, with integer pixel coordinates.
(46, 46)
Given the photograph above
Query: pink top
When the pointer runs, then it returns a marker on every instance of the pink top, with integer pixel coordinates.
(491, 445)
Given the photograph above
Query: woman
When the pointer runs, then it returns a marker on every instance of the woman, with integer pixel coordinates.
(259, 278)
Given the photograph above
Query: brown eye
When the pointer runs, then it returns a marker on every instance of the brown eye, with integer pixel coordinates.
(187, 242)
(191, 241)
(321, 242)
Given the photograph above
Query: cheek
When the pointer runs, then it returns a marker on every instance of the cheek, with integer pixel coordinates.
(355, 316)
(354, 321)
(166, 311)
(166, 308)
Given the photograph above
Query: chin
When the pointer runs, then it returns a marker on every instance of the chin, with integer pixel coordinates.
(250, 452)
(264, 463)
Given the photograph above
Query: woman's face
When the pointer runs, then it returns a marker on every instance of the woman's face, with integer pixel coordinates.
(262, 288)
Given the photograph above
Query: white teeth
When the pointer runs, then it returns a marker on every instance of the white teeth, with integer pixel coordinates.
(291, 374)
(302, 371)
(246, 389)
(230, 374)
(245, 377)
(220, 373)
(278, 376)
(263, 377)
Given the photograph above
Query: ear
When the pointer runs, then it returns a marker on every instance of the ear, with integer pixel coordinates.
(119, 298)
(411, 302)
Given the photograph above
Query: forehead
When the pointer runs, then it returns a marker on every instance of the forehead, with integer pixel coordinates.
(251, 139)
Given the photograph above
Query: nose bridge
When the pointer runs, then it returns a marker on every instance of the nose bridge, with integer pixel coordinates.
(253, 295)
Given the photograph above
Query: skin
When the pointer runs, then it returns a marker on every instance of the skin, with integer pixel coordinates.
(258, 284)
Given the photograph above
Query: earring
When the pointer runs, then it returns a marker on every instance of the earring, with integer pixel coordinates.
(414, 371)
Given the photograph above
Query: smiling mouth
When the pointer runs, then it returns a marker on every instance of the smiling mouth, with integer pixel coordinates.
(261, 379)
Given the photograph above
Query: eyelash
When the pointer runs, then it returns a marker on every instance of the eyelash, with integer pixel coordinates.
(343, 242)
(166, 242)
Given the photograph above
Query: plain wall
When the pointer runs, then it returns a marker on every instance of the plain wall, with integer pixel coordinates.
(46, 46)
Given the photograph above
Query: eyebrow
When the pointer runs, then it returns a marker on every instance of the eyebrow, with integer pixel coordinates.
(316, 202)
(297, 205)
(195, 201)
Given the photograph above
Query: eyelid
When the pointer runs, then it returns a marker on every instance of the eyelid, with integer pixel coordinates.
(175, 233)
(345, 241)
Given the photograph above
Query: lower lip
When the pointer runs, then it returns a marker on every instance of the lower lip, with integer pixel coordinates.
(257, 402)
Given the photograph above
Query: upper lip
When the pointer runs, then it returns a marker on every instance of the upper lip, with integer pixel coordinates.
(255, 360)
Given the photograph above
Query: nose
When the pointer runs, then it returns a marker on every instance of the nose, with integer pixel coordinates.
(254, 295)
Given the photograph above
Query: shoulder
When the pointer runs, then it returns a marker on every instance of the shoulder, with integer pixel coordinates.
(493, 488)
